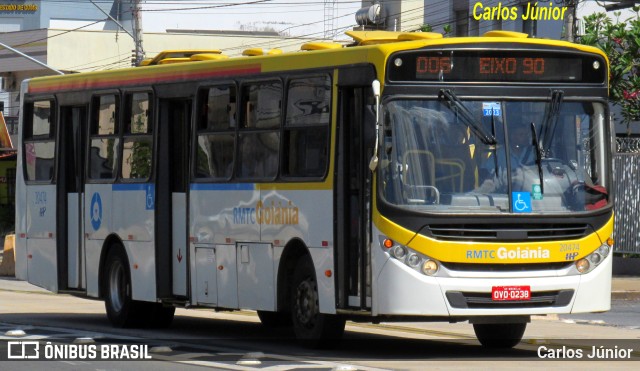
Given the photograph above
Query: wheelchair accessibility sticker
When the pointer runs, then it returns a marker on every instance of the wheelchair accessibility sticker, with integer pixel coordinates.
(96, 211)
(521, 202)
(150, 197)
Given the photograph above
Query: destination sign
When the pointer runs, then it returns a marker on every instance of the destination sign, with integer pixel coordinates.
(496, 66)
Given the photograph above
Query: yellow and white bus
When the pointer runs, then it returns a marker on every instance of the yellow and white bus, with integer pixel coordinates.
(403, 177)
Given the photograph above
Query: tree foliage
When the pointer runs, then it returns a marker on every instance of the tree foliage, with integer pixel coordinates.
(620, 40)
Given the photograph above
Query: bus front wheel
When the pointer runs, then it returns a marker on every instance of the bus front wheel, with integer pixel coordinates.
(313, 328)
(122, 310)
(499, 335)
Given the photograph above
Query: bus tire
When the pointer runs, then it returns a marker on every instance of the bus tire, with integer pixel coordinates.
(499, 335)
(122, 310)
(274, 319)
(312, 328)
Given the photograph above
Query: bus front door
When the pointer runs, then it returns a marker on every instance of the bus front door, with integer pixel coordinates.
(70, 228)
(353, 184)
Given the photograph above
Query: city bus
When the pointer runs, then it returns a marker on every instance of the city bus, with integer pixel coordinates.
(378, 181)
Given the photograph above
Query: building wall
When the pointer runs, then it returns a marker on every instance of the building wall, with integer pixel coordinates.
(35, 14)
(451, 12)
(109, 49)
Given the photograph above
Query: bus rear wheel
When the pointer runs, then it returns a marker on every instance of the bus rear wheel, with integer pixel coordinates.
(122, 310)
(313, 328)
(499, 335)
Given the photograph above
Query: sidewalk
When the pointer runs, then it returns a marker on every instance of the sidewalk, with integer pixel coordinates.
(625, 287)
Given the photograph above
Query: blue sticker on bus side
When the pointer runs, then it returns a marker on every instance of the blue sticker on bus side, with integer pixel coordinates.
(96, 211)
(150, 197)
(521, 202)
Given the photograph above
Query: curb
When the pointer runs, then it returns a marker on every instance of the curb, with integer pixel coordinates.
(625, 295)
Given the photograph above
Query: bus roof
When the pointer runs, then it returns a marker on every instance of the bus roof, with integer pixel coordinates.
(373, 46)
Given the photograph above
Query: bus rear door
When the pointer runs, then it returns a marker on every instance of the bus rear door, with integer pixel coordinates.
(70, 226)
(172, 180)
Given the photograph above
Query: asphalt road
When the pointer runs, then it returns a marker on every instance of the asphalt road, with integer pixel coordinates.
(237, 341)
(623, 313)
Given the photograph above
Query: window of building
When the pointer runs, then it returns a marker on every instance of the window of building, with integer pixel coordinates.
(306, 131)
(39, 141)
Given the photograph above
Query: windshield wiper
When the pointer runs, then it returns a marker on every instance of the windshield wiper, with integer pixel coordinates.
(550, 121)
(538, 152)
(466, 115)
(495, 150)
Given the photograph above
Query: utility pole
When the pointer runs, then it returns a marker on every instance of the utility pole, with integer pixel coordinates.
(330, 9)
(571, 21)
(138, 52)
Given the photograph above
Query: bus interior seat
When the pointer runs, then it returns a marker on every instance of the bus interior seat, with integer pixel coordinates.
(418, 167)
(455, 169)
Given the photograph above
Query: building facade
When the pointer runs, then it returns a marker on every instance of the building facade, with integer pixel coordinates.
(78, 36)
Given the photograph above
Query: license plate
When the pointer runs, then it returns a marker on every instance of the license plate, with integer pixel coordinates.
(499, 293)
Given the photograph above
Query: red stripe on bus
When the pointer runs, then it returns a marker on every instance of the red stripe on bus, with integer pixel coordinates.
(184, 76)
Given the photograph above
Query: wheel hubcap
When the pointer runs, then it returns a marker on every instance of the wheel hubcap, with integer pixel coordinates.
(117, 286)
(306, 303)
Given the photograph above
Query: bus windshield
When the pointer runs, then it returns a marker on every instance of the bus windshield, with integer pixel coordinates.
(547, 156)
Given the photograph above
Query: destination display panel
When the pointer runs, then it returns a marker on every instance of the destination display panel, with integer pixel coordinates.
(496, 66)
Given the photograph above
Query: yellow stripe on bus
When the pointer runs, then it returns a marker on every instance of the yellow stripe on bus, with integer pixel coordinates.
(496, 252)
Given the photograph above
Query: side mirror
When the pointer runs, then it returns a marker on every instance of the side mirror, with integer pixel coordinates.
(375, 86)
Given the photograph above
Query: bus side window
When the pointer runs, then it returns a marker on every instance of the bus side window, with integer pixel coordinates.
(105, 143)
(259, 137)
(137, 142)
(216, 132)
(39, 141)
(306, 131)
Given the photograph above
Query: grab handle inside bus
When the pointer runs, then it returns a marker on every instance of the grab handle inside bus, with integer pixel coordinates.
(375, 86)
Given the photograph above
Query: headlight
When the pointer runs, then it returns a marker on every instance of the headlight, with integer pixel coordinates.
(399, 252)
(413, 259)
(588, 263)
(430, 267)
(583, 265)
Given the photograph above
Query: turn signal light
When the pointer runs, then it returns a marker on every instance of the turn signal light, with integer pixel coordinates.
(387, 243)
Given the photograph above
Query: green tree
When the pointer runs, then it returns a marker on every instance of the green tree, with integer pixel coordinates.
(426, 28)
(620, 40)
(446, 29)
